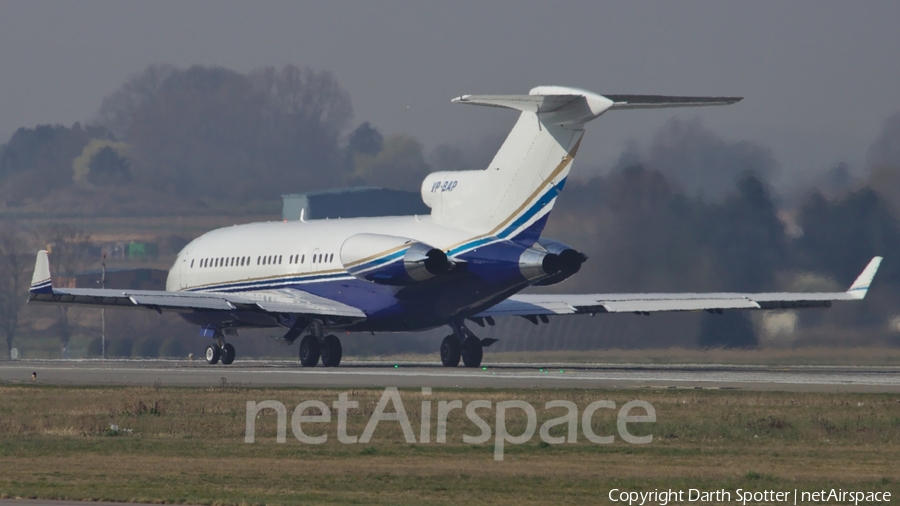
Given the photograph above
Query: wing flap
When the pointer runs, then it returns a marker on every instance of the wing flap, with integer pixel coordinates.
(289, 300)
(639, 306)
(181, 301)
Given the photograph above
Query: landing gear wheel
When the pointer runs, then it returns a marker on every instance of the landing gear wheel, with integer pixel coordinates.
(472, 352)
(331, 351)
(309, 351)
(450, 351)
(227, 354)
(212, 354)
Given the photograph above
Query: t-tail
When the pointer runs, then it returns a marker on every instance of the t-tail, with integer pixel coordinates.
(512, 198)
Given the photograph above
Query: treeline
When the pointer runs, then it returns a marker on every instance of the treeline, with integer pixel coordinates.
(204, 137)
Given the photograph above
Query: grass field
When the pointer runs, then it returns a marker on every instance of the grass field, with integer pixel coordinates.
(181, 445)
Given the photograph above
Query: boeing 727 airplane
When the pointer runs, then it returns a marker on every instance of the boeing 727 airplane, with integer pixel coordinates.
(468, 260)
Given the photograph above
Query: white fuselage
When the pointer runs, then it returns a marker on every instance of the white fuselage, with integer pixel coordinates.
(258, 251)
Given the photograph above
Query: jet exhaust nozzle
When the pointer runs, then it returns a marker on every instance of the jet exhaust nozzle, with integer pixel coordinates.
(569, 261)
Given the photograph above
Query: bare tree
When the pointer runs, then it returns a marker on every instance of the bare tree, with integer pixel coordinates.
(14, 262)
(69, 253)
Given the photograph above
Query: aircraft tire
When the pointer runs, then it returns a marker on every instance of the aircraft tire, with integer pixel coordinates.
(228, 354)
(331, 351)
(450, 351)
(472, 352)
(212, 354)
(309, 351)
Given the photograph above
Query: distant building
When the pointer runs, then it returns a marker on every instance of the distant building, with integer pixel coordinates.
(356, 202)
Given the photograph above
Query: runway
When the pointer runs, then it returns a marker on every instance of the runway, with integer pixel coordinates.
(251, 373)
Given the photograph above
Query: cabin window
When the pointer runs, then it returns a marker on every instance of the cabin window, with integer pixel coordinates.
(242, 261)
(192, 264)
(302, 258)
(258, 260)
(331, 257)
(279, 259)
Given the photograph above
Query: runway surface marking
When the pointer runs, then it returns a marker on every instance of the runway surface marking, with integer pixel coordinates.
(363, 374)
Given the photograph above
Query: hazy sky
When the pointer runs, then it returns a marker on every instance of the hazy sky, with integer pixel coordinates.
(819, 77)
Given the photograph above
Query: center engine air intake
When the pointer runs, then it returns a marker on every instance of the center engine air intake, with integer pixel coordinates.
(392, 260)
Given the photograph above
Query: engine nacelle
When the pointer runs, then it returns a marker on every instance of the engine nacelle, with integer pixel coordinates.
(534, 264)
(569, 261)
(392, 260)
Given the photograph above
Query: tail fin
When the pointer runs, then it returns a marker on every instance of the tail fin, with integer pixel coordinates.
(40, 280)
(513, 196)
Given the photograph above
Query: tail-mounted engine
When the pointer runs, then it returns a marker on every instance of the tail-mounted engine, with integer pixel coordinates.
(567, 260)
(392, 260)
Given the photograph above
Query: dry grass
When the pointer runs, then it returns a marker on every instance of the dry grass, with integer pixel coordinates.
(186, 446)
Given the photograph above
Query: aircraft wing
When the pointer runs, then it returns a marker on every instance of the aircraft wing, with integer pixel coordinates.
(531, 305)
(284, 300)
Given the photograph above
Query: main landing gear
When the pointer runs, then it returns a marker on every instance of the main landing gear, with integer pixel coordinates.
(463, 344)
(327, 347)
(220, 350)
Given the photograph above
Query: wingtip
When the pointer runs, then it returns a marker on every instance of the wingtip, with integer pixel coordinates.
(860, 287)
(40, 280)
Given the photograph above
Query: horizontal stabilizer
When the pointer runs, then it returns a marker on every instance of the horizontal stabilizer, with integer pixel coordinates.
(662, 101)
(530, 103)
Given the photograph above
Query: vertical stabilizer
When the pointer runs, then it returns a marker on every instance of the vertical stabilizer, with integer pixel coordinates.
(511, 198)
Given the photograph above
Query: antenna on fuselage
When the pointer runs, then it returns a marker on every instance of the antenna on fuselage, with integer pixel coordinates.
(302, 215)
